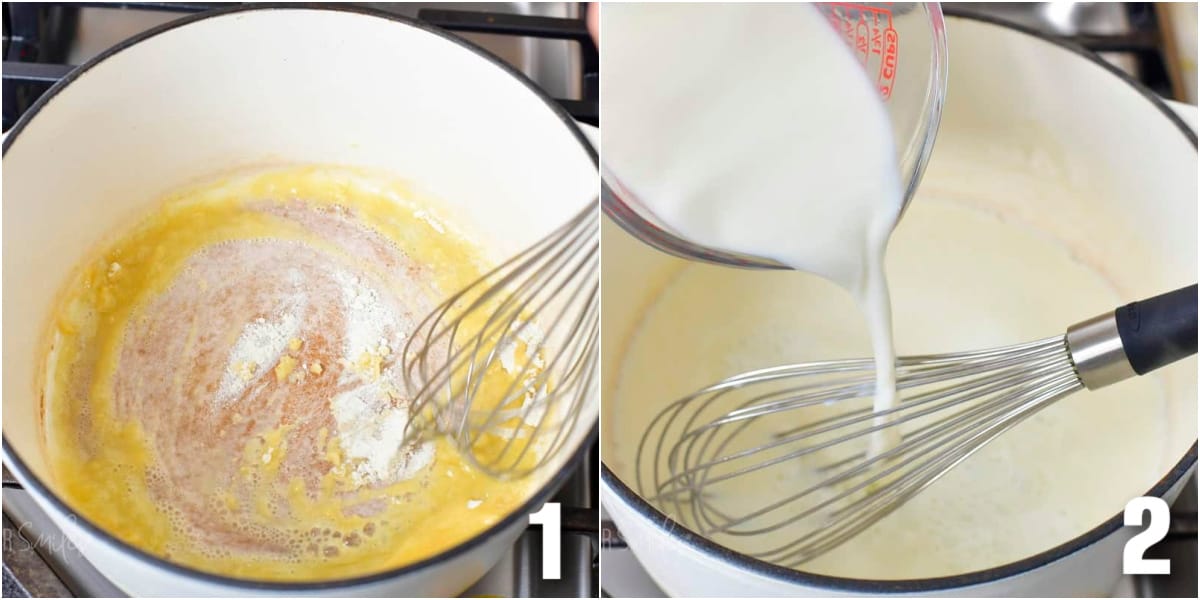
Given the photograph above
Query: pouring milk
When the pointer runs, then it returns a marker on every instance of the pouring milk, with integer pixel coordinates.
(754, 129)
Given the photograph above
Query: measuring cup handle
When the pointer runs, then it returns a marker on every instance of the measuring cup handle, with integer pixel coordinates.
(1158, 331)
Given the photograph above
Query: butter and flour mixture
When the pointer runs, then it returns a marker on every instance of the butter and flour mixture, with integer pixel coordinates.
(222, 388)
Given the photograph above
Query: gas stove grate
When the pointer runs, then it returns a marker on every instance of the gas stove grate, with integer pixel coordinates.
(37, 38)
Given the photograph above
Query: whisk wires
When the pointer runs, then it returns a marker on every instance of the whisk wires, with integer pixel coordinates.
(780, 458)
(505, 365)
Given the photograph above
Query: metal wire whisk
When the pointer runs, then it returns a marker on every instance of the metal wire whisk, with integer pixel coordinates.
(506, 365)
(777, 460)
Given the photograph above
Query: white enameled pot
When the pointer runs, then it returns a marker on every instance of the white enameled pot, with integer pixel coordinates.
(1002, 81)
(242, 87)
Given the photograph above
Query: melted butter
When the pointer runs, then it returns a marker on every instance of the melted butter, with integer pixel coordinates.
(281, 522)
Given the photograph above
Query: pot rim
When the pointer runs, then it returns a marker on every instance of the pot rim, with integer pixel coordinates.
(13, 460)
(930, 584)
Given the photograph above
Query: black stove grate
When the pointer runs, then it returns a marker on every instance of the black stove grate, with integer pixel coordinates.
(37, 38)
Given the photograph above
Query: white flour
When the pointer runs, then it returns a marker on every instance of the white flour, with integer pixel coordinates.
(430, 220)
(371, 421)
(534, 407)
(370, 428)
(256, 351)
(367, 319)
(532, 336)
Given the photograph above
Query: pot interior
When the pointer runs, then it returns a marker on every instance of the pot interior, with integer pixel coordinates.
(1033, 134)
(272, 87)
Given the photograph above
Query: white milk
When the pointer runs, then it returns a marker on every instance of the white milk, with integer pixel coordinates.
(961, 279)
(804, 175)
(753, 129)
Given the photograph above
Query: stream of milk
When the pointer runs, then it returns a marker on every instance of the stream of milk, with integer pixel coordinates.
(754, 129)
(781, 166)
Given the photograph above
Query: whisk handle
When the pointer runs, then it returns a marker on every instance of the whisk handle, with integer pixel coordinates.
(1158, 331)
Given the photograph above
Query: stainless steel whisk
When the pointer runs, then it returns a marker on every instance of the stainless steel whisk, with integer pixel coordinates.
(536, 317)
(778, 459)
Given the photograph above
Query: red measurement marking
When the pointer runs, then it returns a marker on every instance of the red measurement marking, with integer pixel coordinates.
(887, 69)
(869, 32)
(876, 37)
(862, 39)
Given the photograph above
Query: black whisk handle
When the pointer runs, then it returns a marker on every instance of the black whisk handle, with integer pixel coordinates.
(1159, 331)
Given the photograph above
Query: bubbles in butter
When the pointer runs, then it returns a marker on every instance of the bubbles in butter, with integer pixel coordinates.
(193, 407)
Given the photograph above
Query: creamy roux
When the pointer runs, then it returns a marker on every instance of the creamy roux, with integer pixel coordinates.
(961, 279)
(222, 389)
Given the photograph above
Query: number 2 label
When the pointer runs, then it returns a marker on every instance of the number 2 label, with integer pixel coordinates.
(550, 518)
(1160, 518)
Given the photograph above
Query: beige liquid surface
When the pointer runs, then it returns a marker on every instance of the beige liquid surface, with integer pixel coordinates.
(962, 278)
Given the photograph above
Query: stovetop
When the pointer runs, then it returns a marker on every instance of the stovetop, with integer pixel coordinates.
(548, 42)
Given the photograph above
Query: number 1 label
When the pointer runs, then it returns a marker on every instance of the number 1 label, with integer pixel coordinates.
(1135, 548)
(550, 518)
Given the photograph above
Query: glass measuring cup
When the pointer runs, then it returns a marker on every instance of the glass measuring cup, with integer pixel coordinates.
(902, 47)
